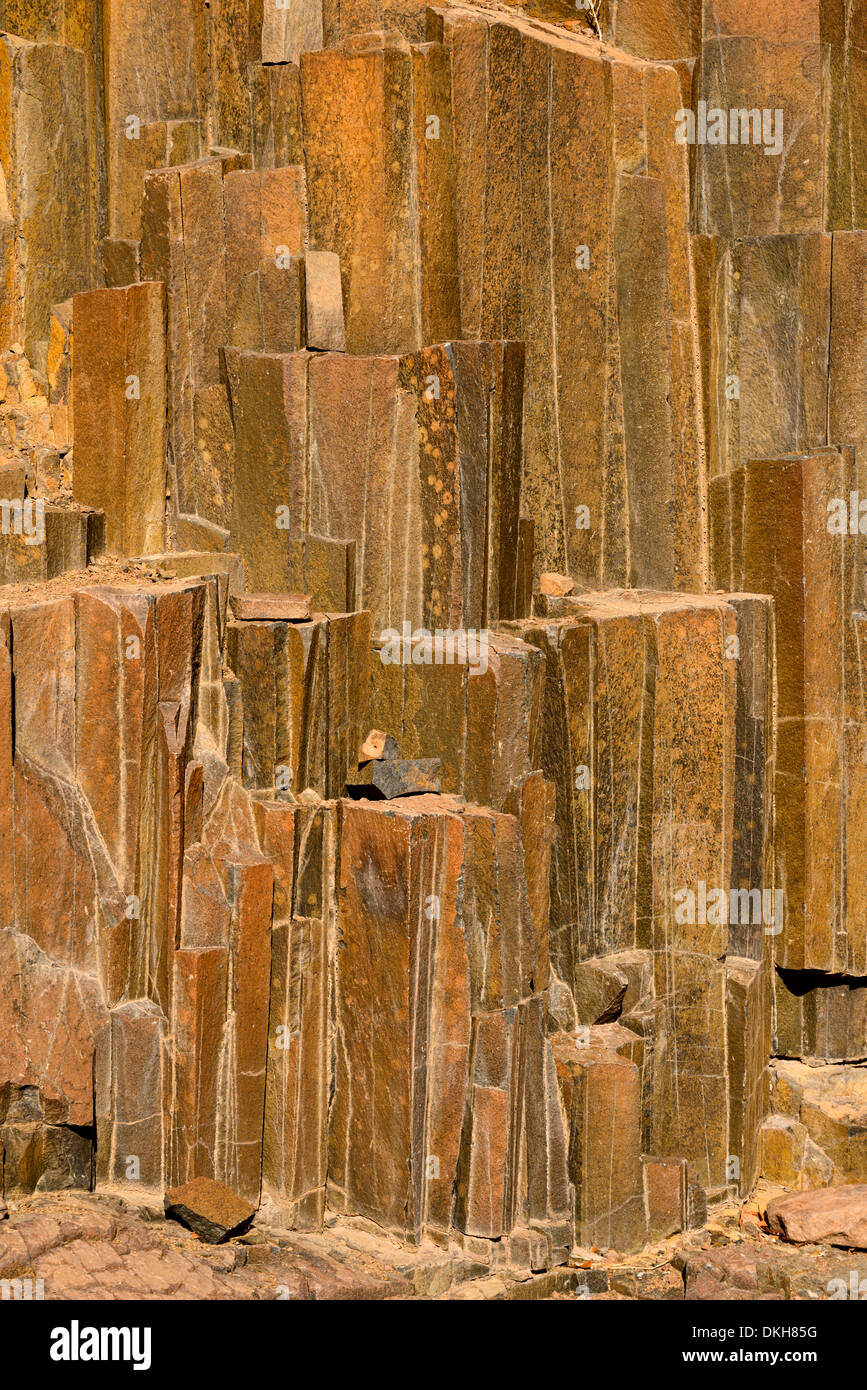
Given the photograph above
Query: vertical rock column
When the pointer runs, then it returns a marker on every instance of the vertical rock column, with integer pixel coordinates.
(785, 527)
(119, 377)
(48, 216)
(438, 1095)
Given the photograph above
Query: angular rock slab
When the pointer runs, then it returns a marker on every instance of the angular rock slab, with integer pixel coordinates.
(303, 688)
(484, 725)
(427, 490)
(183, 245)
(766, 314)
(601, 1096)
(768, 182)
(830, 1105)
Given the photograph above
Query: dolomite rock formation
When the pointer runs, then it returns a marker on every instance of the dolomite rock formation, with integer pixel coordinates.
(432, 616)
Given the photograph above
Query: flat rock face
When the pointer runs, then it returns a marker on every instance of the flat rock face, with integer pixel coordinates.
(74, 1247)
(832, 1216)
(838, 1091)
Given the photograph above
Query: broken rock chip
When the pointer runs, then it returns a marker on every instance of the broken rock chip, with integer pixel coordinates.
(559, 584)
(209, 1208)
(377, 745)
(826, 1215)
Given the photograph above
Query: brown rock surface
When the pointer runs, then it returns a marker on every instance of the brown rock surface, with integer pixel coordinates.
(773, 185)
(325, 326)
(360, 173)
(814, 579)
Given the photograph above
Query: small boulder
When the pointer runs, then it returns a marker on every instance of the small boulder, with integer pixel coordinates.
(824, 1216)
(556, 585)
(213, 1211)
(599, 989)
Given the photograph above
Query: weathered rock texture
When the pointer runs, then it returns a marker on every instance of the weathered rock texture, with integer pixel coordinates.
(432, 623)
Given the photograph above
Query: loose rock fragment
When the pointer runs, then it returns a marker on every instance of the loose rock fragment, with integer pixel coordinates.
(211, 1210)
